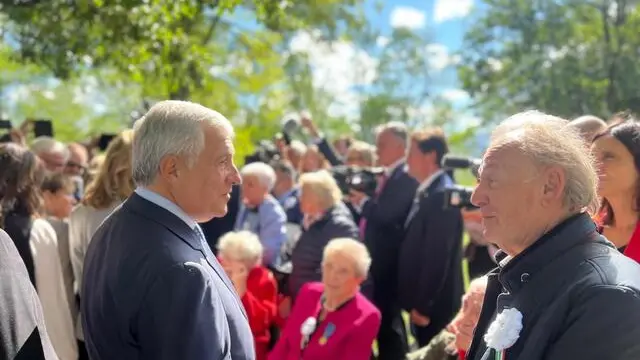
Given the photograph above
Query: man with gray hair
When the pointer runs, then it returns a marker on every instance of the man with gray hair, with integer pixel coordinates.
(152, 288)
(382, 229)
(52, 152)
(562, 290)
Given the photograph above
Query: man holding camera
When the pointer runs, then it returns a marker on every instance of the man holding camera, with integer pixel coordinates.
(382, 222)
(430, 283)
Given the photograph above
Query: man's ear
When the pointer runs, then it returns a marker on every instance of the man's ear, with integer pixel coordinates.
(554, 184)
(169, 168)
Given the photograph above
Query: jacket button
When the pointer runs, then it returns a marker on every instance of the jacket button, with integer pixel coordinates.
(525, 277)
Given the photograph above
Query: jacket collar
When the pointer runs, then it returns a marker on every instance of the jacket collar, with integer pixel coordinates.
(517, 271)
(165, 218)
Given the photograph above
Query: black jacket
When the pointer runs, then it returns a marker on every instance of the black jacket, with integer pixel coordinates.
(308, 252)
(430, 265)
(385, 231)
(579, 297)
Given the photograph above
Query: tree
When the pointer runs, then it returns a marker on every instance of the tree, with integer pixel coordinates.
(569, 57)
(224, 54)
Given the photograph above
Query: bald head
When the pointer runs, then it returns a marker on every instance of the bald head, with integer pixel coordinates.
(588, 126)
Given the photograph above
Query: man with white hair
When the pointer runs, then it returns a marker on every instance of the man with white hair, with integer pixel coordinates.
(562, 290)
(260, 212)
(152, 288)
(52, 152)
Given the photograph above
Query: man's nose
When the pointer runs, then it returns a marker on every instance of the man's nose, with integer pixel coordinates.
(478, 197)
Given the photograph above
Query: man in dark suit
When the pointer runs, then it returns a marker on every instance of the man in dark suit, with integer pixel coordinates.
(382, 225)
(430, 284)
(22, 331)
(152, 287)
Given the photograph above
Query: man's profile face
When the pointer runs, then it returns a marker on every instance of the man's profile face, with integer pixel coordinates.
(508, 196)
(387, 146)
(204, 189)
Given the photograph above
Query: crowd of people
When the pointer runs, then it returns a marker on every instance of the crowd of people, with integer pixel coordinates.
(160, 248)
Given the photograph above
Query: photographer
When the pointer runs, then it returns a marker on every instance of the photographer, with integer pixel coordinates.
(430, 282)
(382, 225)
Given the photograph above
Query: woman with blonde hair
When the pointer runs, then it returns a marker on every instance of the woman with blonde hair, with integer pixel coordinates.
(112, 184)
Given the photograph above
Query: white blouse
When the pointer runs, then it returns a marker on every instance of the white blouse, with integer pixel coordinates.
(51, 289)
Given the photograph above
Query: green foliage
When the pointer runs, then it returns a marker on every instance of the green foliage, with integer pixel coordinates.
(567, 57)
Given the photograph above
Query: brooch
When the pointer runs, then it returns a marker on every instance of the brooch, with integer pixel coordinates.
(328, 331)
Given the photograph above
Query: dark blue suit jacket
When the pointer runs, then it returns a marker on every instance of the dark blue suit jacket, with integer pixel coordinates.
(150, 291)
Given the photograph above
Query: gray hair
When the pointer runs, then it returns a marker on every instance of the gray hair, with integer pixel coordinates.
(263, 172)
(353, 249)
(548, 141)
(170, 128)
(397, 128)
(286, 168)
(46, 144)
(241, 246)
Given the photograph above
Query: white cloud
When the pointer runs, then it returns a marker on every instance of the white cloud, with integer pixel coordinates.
(407, 17)
(445, 10)
(439, 57)
(339, 68)
(455, 95)
(382, 41)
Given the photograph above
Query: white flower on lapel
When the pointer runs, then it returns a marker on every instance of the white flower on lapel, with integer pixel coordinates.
(504, 331)
(308, 326)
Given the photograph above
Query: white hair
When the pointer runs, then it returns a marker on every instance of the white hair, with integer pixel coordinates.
(170, 128)
(323, 185)
(350, 248)
(241, 246)
(46, 144)
(548, 141)
(261, 171)
(397, 128)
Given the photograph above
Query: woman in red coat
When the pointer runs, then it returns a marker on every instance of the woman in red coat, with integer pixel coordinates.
(332, 320)
(240, 254)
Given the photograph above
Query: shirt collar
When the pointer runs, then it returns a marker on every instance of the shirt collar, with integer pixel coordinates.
(391, 168)
(428, 181)
(286, 195)
(166, 204)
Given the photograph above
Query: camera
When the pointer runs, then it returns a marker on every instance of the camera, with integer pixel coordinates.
(266, 152)
(356, 178)
(459, 197)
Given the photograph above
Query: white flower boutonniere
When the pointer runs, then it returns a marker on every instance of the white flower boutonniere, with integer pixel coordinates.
(504, 331)
(307, 328)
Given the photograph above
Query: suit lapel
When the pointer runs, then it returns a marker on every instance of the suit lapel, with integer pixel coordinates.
(438, 183)
(178, 227)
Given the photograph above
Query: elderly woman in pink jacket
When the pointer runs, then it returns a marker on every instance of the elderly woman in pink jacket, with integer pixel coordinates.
(331, 319)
